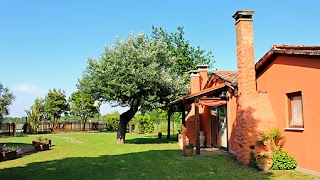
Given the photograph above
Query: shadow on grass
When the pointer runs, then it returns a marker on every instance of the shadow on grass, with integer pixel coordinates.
(151, 140)
(154, 164)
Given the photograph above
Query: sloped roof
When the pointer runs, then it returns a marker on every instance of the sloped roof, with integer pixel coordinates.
(285, 49)
(200, 93)
(227, 77)
(230, 76)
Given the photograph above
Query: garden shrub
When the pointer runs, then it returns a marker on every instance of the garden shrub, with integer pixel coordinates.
(146, 125)
(282, 160)
(112, 122)
(253, 160)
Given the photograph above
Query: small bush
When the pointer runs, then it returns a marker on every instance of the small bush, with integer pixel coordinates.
(253, 160)
(112, 122)
(282, 160)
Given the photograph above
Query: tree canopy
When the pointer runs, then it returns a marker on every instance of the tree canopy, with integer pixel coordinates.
(187, 56)
(55, 104)
(83, 105)
(6, 99)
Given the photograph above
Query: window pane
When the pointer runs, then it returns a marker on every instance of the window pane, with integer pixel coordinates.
(296, 111)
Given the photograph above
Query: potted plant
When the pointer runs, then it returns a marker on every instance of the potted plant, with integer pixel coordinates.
(41, 144)
(264, 161)
(8, 153)
(188, 149)
(269, 141)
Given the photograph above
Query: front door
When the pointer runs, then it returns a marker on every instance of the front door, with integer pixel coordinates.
(222, 126)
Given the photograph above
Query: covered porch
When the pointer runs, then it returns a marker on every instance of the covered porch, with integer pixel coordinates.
(204, 111)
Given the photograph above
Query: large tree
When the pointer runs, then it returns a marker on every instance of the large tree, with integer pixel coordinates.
(83, 105)
(135, 73)
(6, 98)
(55, 104)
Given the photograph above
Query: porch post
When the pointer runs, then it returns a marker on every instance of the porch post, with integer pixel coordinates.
(183, 115)
(169, 115)
(197, 126)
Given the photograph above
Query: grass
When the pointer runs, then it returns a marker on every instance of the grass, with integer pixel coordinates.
(96, 156)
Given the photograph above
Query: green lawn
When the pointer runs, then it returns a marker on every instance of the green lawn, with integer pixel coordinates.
(96, 156)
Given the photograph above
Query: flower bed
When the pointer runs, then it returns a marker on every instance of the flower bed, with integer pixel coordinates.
(41, 144)
(9, 153)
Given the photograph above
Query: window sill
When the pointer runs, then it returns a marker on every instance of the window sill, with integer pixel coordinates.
(294, 129)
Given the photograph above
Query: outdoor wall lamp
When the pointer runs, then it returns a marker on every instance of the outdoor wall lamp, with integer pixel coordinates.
(224, 95)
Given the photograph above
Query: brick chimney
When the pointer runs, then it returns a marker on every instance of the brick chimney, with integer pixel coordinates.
(245, 53)
(203, 71)
(194, 81)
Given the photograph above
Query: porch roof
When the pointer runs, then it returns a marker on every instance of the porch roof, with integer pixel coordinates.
(190, 97)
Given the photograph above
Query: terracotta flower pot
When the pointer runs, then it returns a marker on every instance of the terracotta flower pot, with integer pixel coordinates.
(188, 151)
(264, 163)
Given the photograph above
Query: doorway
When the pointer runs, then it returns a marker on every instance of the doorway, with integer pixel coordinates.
(219, 131)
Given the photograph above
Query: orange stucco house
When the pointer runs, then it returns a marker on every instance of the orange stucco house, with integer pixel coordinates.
(233, 107)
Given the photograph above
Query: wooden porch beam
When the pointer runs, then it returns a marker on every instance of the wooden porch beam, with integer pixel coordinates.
(197, 126)
(183, 115)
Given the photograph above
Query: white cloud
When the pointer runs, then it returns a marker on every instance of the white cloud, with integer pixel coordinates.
(29, 89)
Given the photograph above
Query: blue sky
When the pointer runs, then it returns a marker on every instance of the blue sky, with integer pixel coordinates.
(45, 44)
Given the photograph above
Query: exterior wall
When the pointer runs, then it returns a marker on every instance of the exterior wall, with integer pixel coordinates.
(290, 74)
(205, 123)
(190, 125)
(232, 115)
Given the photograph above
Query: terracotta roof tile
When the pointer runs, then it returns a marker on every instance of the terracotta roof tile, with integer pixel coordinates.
(230, 76)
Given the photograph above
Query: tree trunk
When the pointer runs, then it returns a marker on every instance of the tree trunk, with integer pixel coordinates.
(84, 125)
(124, 119)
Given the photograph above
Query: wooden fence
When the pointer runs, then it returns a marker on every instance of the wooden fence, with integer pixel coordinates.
(46, 127)
(7, 129)
(11, 129)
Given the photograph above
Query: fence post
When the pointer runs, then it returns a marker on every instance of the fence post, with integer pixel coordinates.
(14, 128)
(8, 125)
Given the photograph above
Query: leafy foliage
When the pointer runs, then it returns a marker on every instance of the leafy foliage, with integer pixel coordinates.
(55, 104)
(112, 120)
(274, 135)
(189, 146)
(187, 56)
(145, 123)
(14, 119)
(253, 160)
(282, 160)
(133, 70)
(34, 115)
(82, 105)
(6, 98)
(135, 73)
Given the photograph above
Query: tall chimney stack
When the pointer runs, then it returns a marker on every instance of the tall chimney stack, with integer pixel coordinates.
(194, 81)
(245, 53)
(203, 71)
